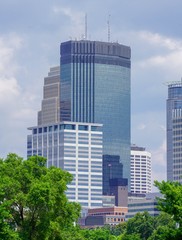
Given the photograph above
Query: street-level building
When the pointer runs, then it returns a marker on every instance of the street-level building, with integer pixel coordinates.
(140, 204)
(105, 216)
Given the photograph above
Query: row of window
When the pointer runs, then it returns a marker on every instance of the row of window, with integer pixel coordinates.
(146, 209)
(65, 126)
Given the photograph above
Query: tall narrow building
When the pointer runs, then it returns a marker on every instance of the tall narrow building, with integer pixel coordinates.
(50, 109)
(174, 132)
(141, 170)
(95, 88)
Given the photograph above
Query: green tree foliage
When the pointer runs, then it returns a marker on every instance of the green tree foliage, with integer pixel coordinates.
(33, 204)
(117, 229)
(129, 237)
(166, 233)
(164, 219)
(171, 202)
(141, 224)
(96, 234)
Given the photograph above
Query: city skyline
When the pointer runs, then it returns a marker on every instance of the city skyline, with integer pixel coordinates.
(29, 41)
(91, 87)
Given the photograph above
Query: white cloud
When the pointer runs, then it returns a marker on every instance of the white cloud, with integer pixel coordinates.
(16, 104)
(77, 19)
(160, 40)
(162, 53)
(159, 155)
(9, 90)
(141, 126)
(9, 44)
(170, 62)
(159, 163)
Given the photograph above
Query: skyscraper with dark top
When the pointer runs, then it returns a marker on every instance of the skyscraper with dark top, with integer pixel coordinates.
(95, 88)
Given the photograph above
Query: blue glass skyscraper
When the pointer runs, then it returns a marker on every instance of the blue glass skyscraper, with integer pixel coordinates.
(174, 132)
(95, 87)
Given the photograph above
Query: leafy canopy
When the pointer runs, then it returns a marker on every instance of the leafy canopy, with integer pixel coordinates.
(33, 204)
(171, 202)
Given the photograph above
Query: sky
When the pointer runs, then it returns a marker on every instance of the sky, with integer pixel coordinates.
(30, 37)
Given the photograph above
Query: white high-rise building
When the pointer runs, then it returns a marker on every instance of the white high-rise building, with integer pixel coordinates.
(76, 148)
(140, 170)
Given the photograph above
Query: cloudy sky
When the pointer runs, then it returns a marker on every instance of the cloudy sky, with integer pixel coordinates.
(30, 35)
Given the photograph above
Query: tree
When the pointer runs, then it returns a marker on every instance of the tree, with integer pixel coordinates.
(166, 233)
(116, 230)
(33, 204)
(164, 219)
(171, 202)
(141, 224)
(129, 237)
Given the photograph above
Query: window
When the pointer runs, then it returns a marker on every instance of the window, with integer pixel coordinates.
(69, 126)
(55, 127)
(35, 131)
(96, 128)
(83, 127)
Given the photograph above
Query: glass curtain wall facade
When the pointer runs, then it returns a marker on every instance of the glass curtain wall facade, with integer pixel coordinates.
(95, 87)
(174, 132)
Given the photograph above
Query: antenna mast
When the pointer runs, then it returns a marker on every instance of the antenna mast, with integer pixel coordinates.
(108, 25)
(85, 26)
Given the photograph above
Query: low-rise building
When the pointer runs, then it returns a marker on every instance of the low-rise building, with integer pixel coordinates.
(141, 204)
(105, 216)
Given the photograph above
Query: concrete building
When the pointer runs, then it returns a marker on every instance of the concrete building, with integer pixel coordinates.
(108, 201)
(76, 148)
(119, 189)
(174, 132)
(50, 108)
(140, 204)
(104, 216)
(95, 87)
(141, 170)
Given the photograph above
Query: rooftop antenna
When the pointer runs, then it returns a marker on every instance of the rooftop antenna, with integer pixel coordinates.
(108, 26)
(85, 26)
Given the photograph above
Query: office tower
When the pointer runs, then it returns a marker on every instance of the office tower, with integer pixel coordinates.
(50, 110)
(140, 170)
(76, 148)
(95, 87)
(174, 132)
